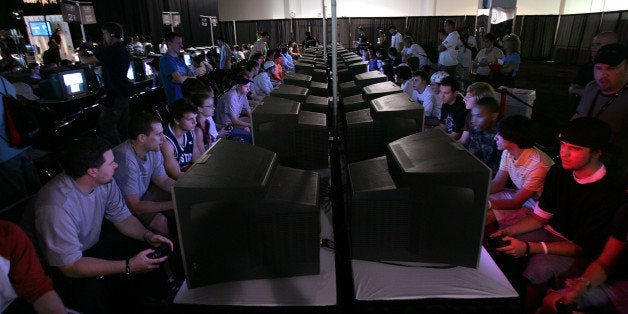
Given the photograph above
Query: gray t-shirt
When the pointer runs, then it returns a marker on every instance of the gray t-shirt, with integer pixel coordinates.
(133, 174)
(615, 113)
(68, 221)
(230, 103)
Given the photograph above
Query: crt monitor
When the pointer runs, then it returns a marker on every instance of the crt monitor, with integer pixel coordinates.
(40, 28)
(148, 70)
(240, 216)
(73, 83)
(130, 72)
(187, 59)
(425, 201)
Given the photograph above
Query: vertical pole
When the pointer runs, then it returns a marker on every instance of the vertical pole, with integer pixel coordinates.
(324, 32)
(78, 6)
(235, 35)
(172, 20)
(334, 65)
(211, 30)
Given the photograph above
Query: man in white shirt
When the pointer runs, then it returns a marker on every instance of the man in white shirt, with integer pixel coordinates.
(396, 40)
(448, 53)
(413, 49)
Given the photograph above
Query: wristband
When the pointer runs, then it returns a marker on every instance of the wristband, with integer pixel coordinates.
(527, 248)
(127, 270)
(544, 247)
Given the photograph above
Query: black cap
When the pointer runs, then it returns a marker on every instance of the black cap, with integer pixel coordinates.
(241, 80)
(589, 132)
(611, 54)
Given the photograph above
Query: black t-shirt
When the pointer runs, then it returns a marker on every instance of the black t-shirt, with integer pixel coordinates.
(619, 231)
(582, 212)
(454, 116)
(115, 61)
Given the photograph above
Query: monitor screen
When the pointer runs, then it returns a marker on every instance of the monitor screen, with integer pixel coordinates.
(148, 71)
(130, 73)
(187, 59)
(73, 82)
(40, 28)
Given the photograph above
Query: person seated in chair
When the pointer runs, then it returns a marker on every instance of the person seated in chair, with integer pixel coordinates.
(233, 110)
(181, 148)
(524, 164)
(86, 255)
(21, 275)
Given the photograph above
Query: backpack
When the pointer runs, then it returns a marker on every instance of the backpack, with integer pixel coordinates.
(21, 124)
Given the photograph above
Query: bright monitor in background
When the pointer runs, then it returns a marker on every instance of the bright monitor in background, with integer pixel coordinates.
(148, 70)
(187, 59)
(73, 83)
(40, 28)
(130, 73)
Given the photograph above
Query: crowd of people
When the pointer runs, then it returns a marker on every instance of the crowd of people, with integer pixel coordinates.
(99, 220)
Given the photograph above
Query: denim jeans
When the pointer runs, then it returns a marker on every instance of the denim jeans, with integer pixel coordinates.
(114, 120)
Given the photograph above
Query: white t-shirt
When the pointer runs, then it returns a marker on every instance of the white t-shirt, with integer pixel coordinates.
(396, 41)
(449, 57)
(428, 101)
(417, 51)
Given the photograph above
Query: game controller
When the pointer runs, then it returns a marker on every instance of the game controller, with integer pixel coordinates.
(162, 250)
(564, 308)
(497, 242)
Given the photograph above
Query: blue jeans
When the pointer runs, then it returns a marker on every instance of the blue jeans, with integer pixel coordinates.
(240, 133)
(114, 119)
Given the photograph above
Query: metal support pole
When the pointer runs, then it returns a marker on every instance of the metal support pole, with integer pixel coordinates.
(211, 32)
(334, 65)
(235, 34)
(324, 32)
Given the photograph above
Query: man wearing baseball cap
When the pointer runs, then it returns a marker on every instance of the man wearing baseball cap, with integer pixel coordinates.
(571, 221)
(233, 109)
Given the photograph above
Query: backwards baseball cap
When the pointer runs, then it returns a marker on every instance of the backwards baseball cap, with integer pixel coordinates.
(241, 80)
(588, 132)
(611, 54)
(268, 65)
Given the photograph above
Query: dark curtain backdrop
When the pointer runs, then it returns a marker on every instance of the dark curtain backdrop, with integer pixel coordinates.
(143, 17)
(563, 38)
(576, 31)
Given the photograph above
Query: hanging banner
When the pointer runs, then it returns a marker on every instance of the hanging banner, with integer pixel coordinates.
(87, 14)
(70, 12)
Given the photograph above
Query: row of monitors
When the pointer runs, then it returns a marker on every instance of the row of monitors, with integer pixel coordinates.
(262, 217)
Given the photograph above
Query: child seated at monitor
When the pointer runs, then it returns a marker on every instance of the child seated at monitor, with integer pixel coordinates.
(524, 164)
(425, 97)
(475, 91)
(483, 121)
(262, 84)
